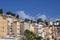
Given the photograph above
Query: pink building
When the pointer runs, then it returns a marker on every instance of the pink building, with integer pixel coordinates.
(54, 31)
(35, 30)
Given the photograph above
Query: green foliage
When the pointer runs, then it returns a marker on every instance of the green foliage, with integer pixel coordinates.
(26, 20)
(39, 20)
(38, 38)
(17, 16)
(1, 11)
(10, 13)
(46, 22)
(23, 38)
(29, 35)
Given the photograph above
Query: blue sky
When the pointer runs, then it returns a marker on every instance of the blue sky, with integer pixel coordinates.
(48, 8)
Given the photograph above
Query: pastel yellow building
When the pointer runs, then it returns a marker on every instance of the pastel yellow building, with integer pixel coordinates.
(32, 27)
(26, 26)
(3, 26)
(16, 27)
(13, 26)
(9, 26)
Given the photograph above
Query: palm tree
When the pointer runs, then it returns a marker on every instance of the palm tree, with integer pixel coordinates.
(1, 11)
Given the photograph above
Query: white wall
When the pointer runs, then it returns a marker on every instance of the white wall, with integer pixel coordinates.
(6, 39)
(17, 38)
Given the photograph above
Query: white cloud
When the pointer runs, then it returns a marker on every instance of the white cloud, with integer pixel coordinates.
(57, 19)
(42, 16)
(54, 19)
(23, 15)
(51, 19)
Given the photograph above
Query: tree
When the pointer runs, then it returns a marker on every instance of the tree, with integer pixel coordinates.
(38, 38)
(39, 20)
(9, 13)
(29, 35)
(26, 20)
(23, 38)
(1, 11)
(17, 16)
(46, 22)
(13, 14)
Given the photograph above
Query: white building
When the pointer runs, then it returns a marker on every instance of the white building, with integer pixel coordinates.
(40, 30)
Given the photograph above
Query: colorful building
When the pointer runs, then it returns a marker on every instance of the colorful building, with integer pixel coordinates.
(16, 27)
(10, 27)
(32, 27)
(3, 26)
(24, 25)
(54, 29)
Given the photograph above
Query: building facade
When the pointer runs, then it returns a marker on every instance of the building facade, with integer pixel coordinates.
(24, 26)
(32, 27)
(16, 27)
(9, 26)
(3, 26)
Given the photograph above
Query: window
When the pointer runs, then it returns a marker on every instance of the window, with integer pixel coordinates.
(18, 28)
(10, 17)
